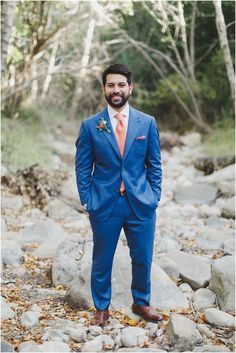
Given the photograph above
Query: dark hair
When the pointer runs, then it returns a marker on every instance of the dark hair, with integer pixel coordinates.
(117, 69)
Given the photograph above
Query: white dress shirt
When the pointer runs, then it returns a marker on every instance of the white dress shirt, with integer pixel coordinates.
(112, 112)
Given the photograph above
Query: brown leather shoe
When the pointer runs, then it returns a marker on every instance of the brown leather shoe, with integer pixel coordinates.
(147, 312)
(100, 317)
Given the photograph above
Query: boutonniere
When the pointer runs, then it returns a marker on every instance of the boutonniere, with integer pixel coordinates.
(102, 125)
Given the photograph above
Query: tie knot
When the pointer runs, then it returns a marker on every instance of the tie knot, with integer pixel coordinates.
(119, 116)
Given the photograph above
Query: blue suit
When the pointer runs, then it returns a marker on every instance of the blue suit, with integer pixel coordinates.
(100, 170)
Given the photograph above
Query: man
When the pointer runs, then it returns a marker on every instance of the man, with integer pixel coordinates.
(118, 173)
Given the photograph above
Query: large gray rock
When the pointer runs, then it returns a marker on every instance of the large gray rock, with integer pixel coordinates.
(204, 298)
(58, 210)
(31, 216)
(213, 239)
(223, 282)
(42, 231)
(225, 174)
(227, 188)
(11, 253)
(219, 318)
(165, 293)
(69, 189)
(71, 256)
(193, 269)
(182, 333)
(196, 194)
(6, 347)
(13, 203)
(228, 210)
(6, 311)
(169, 267)
(133, 336)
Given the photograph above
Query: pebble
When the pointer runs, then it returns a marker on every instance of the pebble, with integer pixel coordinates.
(219, 318)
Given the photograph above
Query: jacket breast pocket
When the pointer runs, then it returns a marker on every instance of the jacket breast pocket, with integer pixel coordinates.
(140, 147)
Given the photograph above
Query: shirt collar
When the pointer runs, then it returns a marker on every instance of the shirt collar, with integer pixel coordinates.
(112, 112)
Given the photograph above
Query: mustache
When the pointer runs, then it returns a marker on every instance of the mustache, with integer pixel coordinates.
(116, 95)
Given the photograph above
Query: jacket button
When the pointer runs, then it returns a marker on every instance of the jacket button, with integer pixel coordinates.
(116, 190)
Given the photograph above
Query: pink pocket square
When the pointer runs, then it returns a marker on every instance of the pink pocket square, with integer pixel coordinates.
(140, 138)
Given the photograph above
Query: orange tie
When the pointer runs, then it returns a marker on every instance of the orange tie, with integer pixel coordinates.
(121, 136)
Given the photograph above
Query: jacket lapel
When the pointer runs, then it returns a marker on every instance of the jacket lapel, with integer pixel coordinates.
(110, 137)
(132, 130)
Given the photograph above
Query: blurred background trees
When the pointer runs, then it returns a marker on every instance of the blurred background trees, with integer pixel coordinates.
(181, 54)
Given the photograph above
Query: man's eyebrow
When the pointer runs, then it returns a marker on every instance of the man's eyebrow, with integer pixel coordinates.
(113, 83)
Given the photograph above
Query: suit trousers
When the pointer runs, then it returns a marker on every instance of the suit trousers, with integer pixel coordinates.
(140, 239)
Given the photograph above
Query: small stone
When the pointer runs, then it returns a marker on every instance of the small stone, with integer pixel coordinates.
(166, 245)
(14, 203)
(130, 335)
(131, 316)
(117, 341)
(29, 346)
(78, 335)
(222, 282)
(219, 318)
(36, 308)
(92, 346)
(182, 332)
(55, 334)
(95, 330)
(152, 329)
(228, 210)
(54, 346)
(11, 253)
(186, 288)
(107, 341)
(30, 319)
(159, 332)
(6, 311)
(204, 298)
(6, 346)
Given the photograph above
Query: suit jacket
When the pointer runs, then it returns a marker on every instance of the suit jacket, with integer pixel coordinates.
(100, 168)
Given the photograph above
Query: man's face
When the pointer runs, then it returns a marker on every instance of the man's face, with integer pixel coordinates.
(117, 90)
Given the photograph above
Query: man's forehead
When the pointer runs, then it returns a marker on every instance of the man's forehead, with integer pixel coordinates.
(116, 78)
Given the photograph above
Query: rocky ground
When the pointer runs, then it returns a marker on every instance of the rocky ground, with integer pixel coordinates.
(46, 260)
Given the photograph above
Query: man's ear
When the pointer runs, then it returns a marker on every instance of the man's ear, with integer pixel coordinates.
(131, 87)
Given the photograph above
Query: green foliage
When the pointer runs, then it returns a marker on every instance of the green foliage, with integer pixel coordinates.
(222, 140)
(23, 139)
(215, 89)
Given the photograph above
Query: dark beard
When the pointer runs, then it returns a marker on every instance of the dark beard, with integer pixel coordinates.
(124, 99)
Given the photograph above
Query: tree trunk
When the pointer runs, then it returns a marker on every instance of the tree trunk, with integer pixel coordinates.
(50, 69)
(85, 60)
(222, 32)
(7, 16)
